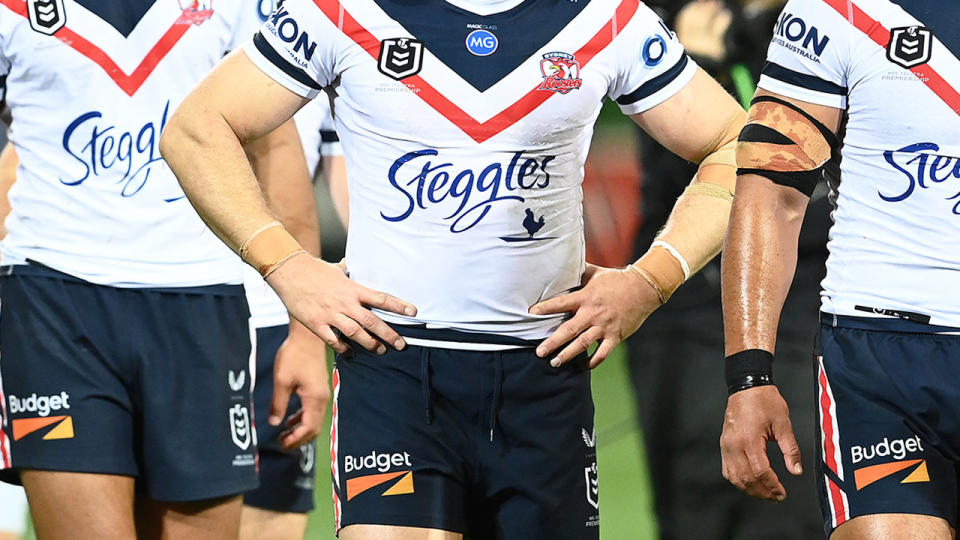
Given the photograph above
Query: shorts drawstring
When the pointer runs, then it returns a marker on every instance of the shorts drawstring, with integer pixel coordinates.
(425, 384)
(497, 383)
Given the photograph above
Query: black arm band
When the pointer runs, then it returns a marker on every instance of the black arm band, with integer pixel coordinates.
(749, 368)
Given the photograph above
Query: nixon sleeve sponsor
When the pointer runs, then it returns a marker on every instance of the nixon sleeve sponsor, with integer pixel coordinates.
(795, 34)
(374, 460)
(288, 30)
(42, 405)
(898, 449)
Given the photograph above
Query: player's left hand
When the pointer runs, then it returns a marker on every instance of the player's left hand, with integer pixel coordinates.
(612, 304)
(300, 367)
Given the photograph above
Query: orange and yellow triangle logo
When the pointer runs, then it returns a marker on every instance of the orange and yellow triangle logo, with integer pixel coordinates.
(404, 486)
(25, 426)
(868, 475)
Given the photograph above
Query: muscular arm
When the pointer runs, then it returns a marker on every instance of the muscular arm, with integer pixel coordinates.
(8, 175)
(760, 253)
(236, 104)
(696, 123)
(335, 174)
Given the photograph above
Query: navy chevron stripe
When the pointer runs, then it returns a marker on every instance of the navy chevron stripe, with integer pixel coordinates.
(124, 15)
(521, 31)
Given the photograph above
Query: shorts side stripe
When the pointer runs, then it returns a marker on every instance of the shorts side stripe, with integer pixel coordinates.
(830, 447)
(334, 445)
(5, 460)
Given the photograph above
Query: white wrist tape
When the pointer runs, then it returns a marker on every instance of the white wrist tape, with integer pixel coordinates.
(676, 255)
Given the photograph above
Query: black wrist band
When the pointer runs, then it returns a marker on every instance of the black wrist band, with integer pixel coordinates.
(749, 368)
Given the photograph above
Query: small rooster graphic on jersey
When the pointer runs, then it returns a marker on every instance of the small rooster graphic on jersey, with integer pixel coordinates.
(561, 72)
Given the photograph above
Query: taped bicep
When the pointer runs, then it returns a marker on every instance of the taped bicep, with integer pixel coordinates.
(791, 143)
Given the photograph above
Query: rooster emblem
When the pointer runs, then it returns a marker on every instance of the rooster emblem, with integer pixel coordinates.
(532, 225)
(561, 72)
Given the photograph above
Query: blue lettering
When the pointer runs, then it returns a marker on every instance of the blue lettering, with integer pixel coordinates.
(290, 24)
(475, 193)
(277, 15)
(104, 148)
(305, 44)
(799, 27)
(813, 39)
(918, 173)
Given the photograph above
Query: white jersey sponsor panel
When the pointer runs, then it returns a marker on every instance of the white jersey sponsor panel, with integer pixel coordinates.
(91, 86)
(465, 138)
(893, 66)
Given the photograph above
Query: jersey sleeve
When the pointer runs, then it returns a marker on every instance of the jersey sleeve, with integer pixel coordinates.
(4, 71)
(296, 47)
(808, 55)
(652, 65)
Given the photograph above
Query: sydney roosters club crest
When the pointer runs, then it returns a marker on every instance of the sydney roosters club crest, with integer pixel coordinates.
(195, 12)
(561, 72)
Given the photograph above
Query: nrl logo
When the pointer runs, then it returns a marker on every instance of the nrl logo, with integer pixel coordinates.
(592, 479)
(46, 16)
(400, 57)
(240, 430)
(195, 12)
(561, 72)
(910, 46)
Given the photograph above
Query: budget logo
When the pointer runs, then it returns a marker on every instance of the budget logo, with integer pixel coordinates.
(46, 16)
(482, 43)
(382, 463)
(63, 427)
(868, 475)
(195, 12)
(400, 57)
(561, 72)
(910, 46)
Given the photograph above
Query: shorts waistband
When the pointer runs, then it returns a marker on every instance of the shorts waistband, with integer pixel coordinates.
(884, 324)
(465, 340)
(35, 269)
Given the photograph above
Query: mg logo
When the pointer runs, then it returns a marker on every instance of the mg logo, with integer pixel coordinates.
(482, 43)
(910, 46)
(400, 57)
(46, 16)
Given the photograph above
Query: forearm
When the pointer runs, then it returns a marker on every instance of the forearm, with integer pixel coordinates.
(759, 260)
(8, 175)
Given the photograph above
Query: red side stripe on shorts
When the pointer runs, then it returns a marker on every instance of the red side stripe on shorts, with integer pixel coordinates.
(334, 464)
(881, 36)
(830, 438)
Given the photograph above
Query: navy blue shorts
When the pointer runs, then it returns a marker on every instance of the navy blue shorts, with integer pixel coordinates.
(888, 395)
(489, 444)
(149, 383)
(286, 477)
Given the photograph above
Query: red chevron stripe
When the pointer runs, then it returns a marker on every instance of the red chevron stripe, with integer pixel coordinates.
(881, 36)
(128, 83)
(476, 130)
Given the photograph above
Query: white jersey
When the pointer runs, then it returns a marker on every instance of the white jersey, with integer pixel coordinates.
(465, 136)
(319, 138)
(895, 242)
(90, 86)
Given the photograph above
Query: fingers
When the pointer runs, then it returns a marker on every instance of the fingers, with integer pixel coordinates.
(788, 445)
(332, 339)
(305, 424)
(386, 302)
(375, 324)
(355, 332)
(579, 345)
(565, 303)
(279, 402)
(604, 350)
(564, 334)
(762, 480)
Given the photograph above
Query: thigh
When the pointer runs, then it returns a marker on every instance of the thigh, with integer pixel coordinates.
(397, 445)
(260, 524)
(65, 387)
(286, 476)
(198, 439)
(539, 472)
(211, 519)
(80, 505)
(875, 456)
(894, 527)
(384, 532)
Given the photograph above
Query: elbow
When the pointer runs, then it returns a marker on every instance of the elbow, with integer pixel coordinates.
(173, 132)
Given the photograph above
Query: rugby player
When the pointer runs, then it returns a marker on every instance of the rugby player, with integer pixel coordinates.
(881, 78)
(125, 330)
(461, 393)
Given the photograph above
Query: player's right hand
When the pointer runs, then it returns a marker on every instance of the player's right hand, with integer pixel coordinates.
(325, 300)
(753, 417)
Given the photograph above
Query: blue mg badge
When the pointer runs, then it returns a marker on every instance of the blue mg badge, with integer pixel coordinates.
(482, 43)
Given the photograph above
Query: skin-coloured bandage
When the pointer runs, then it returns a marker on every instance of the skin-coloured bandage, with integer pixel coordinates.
(783, 143)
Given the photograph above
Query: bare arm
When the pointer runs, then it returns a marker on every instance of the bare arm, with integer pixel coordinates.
(759, 261)
(335, 174)
(8, 175)
(696, 123)
(236, 104)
